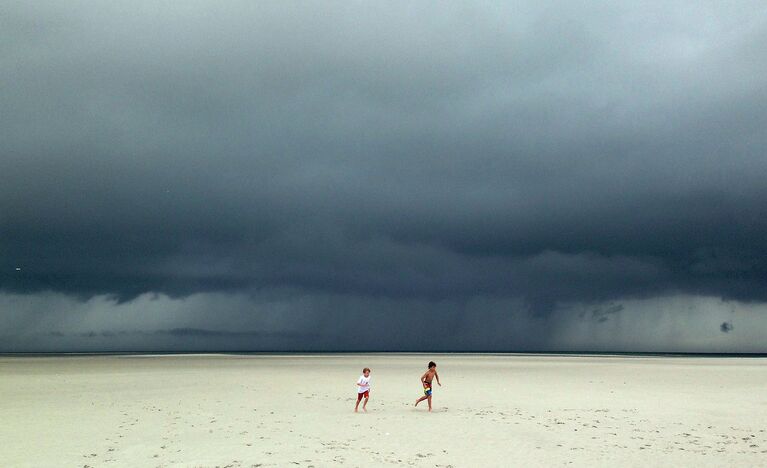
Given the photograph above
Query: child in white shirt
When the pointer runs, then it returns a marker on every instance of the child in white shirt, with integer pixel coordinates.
(363, 389)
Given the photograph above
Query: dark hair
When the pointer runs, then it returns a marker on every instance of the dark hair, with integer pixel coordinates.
(432, 364)
(365, 369)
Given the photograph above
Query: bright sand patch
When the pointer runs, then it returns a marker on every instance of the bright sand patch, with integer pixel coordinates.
(224, 410)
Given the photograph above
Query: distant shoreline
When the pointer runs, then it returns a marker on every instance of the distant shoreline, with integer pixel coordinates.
(339, 353)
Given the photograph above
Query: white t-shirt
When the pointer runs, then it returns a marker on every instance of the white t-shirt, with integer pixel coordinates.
(365, 381)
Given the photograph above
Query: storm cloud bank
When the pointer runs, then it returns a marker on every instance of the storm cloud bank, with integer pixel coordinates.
(424, 156)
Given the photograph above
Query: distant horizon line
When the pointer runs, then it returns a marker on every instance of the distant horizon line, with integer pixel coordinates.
(337, 352)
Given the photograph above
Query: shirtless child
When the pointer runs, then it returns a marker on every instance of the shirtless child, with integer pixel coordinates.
(426, 379)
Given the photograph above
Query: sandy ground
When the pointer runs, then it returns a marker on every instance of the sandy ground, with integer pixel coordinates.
(223, 410)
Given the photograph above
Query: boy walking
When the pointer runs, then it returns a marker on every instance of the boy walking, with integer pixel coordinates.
(426, 379)
(363, 389)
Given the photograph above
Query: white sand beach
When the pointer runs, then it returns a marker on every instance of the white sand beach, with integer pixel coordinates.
(517, 410)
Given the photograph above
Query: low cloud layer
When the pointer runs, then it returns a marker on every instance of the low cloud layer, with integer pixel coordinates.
(427, 156)
(286, 321)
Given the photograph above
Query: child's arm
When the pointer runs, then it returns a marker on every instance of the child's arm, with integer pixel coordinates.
(437, 376)
(423, 377)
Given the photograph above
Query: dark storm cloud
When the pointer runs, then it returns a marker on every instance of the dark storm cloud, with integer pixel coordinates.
(299, 320)
(563, 152)
(602, 314)
(187, 332)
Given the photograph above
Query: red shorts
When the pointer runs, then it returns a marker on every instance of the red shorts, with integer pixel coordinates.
(365, 394)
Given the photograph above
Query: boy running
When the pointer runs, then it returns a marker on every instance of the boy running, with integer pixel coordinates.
(363, 389)
(426, 379)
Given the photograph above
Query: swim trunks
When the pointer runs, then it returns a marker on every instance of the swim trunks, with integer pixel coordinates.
(427, 391)
(365, 394)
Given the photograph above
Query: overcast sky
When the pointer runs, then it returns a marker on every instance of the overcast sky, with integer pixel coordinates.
(383, 176)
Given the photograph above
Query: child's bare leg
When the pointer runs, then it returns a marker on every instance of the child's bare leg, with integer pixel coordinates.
(357, 405)
(365, 404)
(419, 400)
(429, 398)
